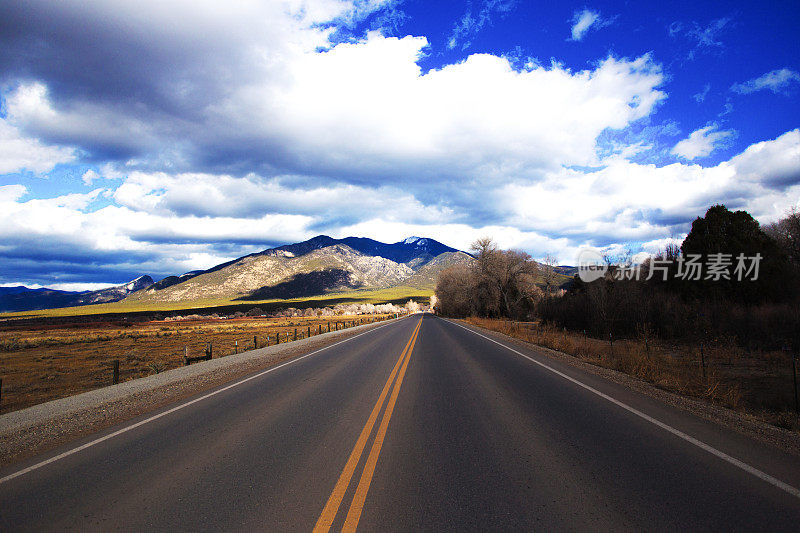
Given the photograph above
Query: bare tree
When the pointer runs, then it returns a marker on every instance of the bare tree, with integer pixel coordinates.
(455, 291)
(486, 297)
(498, 283)
(786, 233)
(548, 273)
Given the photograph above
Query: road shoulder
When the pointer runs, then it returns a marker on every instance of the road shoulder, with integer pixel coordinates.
(742, 423)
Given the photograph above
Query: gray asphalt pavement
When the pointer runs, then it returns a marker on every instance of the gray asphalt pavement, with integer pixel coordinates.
(421, 425)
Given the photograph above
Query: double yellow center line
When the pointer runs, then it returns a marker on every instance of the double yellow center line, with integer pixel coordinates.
(325, 520)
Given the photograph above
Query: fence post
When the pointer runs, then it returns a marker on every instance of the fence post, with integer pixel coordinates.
(791, 353)
(703, 360)
(309, 331)
(235, 346)
(116, 371)
(295, 333)
(278, 338)
(185, 356)
(255, 342)
(794, 377)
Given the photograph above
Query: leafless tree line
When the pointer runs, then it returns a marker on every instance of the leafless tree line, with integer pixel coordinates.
(498, 283)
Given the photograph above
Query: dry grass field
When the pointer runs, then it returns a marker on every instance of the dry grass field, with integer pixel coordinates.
(758, 383)
(44, 362)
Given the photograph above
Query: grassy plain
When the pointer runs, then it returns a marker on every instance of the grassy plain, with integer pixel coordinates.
(42, 362)
(399, 294)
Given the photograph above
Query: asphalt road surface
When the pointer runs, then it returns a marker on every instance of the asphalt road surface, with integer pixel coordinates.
(421, 424)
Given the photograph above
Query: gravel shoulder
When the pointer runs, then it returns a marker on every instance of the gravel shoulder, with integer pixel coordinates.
(743, 423)
(37, 429)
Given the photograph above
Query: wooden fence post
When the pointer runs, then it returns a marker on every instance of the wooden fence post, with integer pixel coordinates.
(702, 360)
(309, 331)
(295, 333)
(791, 353)
(116, 371)
(794, 377)
(255, 342)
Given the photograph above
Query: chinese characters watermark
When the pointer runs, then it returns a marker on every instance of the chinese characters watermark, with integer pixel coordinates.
(690, 267)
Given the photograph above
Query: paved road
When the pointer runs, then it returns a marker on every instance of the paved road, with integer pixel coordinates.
(420, 424)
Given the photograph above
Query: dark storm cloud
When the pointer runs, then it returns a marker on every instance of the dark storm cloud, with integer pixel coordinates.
(85, 54)
(47, 273)
(221, 244)
(143, 72)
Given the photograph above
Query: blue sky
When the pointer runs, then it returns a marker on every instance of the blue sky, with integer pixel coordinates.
(156, 138)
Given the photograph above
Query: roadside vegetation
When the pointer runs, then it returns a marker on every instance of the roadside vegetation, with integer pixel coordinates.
(727, 341)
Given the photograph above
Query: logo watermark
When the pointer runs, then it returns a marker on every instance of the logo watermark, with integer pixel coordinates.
(591, 265)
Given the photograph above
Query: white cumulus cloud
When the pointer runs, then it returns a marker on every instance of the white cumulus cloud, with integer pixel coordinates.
(19, 152)
(586, 19)
(777, 81)
(701, 142)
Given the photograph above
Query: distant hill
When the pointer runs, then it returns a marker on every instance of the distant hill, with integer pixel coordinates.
(314, 267)
(416, 249)
(567, 270)
(24, 299)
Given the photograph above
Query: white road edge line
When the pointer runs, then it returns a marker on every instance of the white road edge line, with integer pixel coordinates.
(688, 438)
(176, 408)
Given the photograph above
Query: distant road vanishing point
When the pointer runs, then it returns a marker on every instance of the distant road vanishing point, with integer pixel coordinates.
(422, 424)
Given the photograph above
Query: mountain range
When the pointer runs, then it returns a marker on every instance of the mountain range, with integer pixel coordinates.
(314, 267)
(22, 298)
